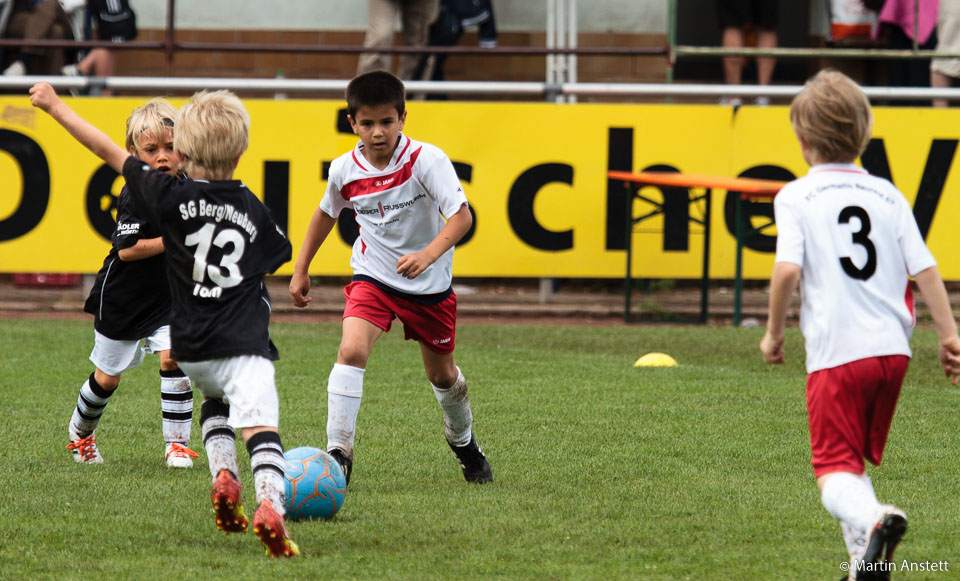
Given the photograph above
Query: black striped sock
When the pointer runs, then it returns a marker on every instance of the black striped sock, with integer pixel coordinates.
(266, 462)
(91, 403)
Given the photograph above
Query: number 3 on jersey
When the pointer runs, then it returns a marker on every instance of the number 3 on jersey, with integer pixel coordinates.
(859, 237)
(202, 239)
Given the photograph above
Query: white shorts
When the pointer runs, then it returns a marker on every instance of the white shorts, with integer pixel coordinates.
(245, 382)
(114, 357)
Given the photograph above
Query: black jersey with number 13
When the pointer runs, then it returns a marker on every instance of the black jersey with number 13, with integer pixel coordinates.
(220, 241)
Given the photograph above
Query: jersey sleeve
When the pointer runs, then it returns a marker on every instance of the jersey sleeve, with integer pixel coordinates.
(277, 248)
(789, 231)
(441, 181)
(333, 203)
(915, 252)
(130, 227)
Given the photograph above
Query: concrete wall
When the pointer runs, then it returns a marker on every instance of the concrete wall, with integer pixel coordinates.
(629, 16)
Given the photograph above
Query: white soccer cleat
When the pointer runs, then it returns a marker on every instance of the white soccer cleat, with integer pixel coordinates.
(179, 456)
(84, 449)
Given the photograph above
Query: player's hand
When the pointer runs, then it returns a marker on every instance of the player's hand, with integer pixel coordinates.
(412, 265)
(950, 358)
(299, 288)
(43, 97)
(772, 348)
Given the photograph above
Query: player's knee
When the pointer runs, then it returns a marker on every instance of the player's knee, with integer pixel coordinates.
(443, 378)
(352, 355)
(168, 364)
(107, 382)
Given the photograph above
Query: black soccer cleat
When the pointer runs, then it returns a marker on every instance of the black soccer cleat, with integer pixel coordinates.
(473, 462)
(884, 538)
(346, 463)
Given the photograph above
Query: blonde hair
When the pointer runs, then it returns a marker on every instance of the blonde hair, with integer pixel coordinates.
(832, 115)
(152, 117)
(213, 130)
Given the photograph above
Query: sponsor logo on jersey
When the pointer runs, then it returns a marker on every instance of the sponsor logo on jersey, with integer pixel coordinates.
(442, 341)
(128, 228)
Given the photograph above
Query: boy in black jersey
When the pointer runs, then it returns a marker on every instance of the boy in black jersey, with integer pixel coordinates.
(130, 302)
(220, 242)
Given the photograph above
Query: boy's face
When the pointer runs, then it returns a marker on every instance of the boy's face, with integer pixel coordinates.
(157, 153)
(379, 129)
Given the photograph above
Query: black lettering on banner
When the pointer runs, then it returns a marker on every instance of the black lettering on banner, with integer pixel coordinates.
(676, 213)
(757, 241)
(35, 194)
(939, 160)
(619, 158)
(859, 237)
(101, 203)
(520, 206)
(276, 191)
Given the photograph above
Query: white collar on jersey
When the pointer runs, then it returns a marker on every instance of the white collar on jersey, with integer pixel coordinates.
(402, 142)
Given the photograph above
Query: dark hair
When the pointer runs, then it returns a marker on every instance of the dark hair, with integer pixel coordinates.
(375, 89)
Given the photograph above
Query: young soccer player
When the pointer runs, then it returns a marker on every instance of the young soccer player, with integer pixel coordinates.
(851, 240)
(220, 242)
(130, 303)
(401, 190)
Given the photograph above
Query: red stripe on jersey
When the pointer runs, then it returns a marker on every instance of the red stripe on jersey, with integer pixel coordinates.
(366, 186)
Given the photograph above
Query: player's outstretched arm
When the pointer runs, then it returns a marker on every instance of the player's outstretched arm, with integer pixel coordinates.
(320, 226)
(935, 295)
(782, 284)
(45, 98)
(412, 265)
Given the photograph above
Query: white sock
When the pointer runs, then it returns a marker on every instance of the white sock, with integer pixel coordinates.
(219, 438)
(344, 391)
(851, 500)
(457, 417)
(176, 406)
(856, 545)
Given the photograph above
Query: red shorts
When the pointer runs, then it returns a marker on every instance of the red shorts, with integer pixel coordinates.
(433, 325)
(850, 408)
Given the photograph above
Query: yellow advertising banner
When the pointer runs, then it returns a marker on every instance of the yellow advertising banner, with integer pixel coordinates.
(535, 174)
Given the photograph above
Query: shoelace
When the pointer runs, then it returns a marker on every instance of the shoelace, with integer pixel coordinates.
(178, 450)
(87, 447)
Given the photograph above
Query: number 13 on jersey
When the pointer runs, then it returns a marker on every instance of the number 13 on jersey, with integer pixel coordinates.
(202, 239)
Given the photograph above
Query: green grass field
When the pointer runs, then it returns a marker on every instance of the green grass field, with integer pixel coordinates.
(602, 470)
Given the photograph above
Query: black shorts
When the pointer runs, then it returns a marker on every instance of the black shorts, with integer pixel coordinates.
(736, 13)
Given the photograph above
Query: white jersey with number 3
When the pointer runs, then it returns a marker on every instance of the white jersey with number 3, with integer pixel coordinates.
(857, 242)
(400, 209)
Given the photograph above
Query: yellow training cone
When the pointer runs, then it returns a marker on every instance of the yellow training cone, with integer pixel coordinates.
(656, 360)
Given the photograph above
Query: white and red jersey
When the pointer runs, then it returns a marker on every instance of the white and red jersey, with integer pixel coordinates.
(857, 242)
(400, 209)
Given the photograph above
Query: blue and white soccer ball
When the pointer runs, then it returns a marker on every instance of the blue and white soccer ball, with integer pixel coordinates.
(314, 484)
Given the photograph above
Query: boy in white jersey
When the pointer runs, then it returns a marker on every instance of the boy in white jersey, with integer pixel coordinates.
(401, 191)
(853, 238)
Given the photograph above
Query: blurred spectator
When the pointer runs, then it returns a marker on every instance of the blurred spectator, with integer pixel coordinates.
(762, 16)
(115, 22)
(900, 23)
(416, 17)
(944, 72)
(454, 18)
(38, 20)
